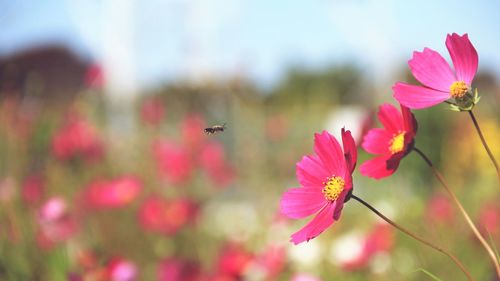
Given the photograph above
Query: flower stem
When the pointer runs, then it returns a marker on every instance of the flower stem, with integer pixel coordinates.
(462, 210)
(490, 154)
(407, 232)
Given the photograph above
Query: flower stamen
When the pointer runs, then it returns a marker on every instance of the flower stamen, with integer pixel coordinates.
(397, 143)
(458, 89)
(333, 188)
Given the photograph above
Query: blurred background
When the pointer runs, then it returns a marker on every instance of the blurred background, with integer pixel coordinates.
(106, 173)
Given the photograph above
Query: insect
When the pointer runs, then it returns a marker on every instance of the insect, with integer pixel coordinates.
(214, 129)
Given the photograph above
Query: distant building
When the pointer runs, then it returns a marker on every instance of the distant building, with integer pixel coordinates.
(50, 73)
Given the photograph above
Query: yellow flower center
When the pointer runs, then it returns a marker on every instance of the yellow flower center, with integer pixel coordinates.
(397, 143)
(333, 187)
(458, 89)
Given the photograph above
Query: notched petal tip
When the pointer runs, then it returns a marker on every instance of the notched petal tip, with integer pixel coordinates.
(350, 149)
(463, 55)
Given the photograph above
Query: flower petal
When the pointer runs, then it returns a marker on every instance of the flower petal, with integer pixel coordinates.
(432, 70)
(376, 141)
(316, 226)
(302, 202)
(391, 118)
(350, 150)
(310, 172)
(329, 151)
(417, 97)
(381, 166)
(464, 56)
(340, 204)
(410, 123)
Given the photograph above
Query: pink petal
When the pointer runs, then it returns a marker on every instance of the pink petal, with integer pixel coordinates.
(379, 167)
(376, 141)
(310, 172)
(391, 118)
(464, 56)
(314, 228)
(417, 97)
(302, 202)
(329, 151)
(432, 70)
(350, 150)
(340, 204)
(410, 123)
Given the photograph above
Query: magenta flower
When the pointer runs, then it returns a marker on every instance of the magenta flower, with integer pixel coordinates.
(391, 143)
(77, 138)
(173, 161)
(439, 81)
(326, 180)
(116, 193)
(120, 269)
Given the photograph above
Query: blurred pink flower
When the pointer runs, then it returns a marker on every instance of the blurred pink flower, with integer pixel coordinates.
(173, 161)
(94, 77)
(33, 189)
(439, 81)
(213, 161)
(193, 134)
(54, 209)
(115, 193)
(366, 125)
(152, 111)
(304, 277)
(56, 223)
(391, 143)
(175, 269)
(160, 215)
(440, 209)
(77, 138)
(489, 218)
(326, 180)
(379, 240)
(119, 269)
(233, 261)
(272, 260)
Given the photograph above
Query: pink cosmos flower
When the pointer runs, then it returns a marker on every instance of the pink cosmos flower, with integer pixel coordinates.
(489, 218)
(176, 269)
(326, 180)
(192, 131)
(120, 269)
(115, 193)
(166, 216)
(77, 137)
(439, 81)
(440, 209)
(213, 161)
(390, 143)
(379, 240)
(33, 189)
(94, 76)
(233, 261)
(272, 261)
(173, 161)
(56, 223)
(152, 111)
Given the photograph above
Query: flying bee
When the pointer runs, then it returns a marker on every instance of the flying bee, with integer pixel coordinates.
(215, 129)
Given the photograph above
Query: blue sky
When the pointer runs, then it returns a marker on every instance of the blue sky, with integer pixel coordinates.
(150, 41)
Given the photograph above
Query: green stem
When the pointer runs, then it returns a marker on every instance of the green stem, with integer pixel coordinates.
(462, 210)
(407, 232)
(485, 145)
